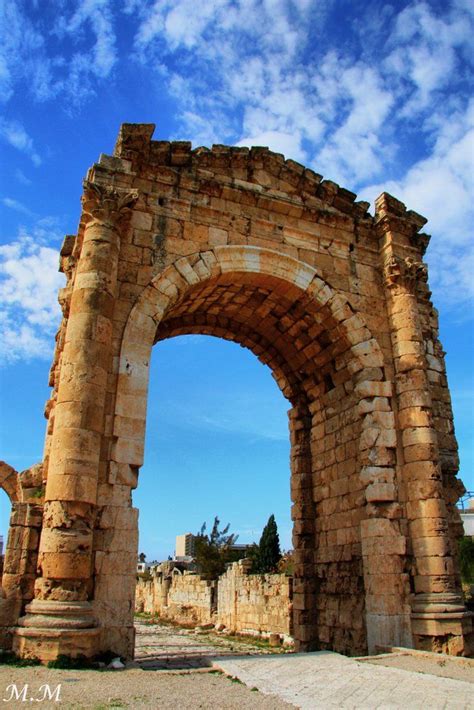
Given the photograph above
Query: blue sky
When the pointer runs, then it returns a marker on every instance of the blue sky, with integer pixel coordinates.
(373, 95)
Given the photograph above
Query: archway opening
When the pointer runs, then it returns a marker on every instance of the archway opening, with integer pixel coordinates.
(318, 351)
(308, 353)
(217, 444)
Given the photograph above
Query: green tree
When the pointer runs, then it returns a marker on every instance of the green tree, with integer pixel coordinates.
(212, 552)
(269, 553)
(466, 559)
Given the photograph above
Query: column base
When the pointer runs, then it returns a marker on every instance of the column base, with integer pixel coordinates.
(51, 629)
(442, 624)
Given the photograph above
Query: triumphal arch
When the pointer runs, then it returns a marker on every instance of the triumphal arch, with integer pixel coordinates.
(245, 245)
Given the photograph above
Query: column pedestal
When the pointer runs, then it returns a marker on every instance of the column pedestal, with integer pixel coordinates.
(50, 629)
(440, 622)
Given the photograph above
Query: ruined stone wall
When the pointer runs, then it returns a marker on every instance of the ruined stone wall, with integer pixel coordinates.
(242, 602)
(190, 599)
(147, 597)
(182, 597)
(257, 604)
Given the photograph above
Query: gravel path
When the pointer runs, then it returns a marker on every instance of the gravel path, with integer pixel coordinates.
(166, 647)
(135, 689)
(173, 671)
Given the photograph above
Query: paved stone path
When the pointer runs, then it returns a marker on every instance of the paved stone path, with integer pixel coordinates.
(164, 647)
(310, 681)
(313, 681)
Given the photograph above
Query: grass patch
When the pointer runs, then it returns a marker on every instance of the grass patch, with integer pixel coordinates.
(234, 679)
(155, 619)
(81, 663)
(11, 659)
(77, 664)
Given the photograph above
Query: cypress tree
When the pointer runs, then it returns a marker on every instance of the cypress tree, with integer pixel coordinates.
(269, 553)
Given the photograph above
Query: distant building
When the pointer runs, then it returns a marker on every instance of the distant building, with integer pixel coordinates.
(467, 517)
(185, 546)
(466, 511)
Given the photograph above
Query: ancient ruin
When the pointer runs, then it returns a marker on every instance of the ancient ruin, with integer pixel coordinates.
(241, 602)
(245, 245)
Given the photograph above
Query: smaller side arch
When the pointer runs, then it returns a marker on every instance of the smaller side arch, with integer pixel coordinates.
(10, 482)
(25, 492)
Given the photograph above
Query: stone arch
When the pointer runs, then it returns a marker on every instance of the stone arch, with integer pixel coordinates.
(175, 303)
(24, 491)
(241, 238)
(10, 482)
(169, 288)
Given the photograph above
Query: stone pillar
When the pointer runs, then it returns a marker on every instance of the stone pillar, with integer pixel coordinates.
(439, 618)
(59, 620)
(303, 515)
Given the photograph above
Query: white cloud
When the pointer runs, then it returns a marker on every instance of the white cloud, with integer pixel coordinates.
(234, 55)
(22, 178)
(16, 205)
(96, 14)
(14, 133)
(286, 143)
(62, 51)
(251, 416)
(441, 187)
(354, 152)
(29, 282)
(424, 55)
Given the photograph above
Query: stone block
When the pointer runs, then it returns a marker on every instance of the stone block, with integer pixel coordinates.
(380, 492)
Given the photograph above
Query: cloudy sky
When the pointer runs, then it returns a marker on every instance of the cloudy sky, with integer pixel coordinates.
(373, 95)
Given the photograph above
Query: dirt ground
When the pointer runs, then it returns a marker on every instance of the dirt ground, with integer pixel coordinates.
(172, 671)
(133, 688)
(443, 666)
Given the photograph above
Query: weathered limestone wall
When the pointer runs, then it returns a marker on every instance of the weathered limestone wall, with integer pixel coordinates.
(242, 602)
(258, 604)
(147, 596)
(178, 596)
(190, 598)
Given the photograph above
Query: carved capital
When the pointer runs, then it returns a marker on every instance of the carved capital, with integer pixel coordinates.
(420, 241)
(404, 273)
(106, 205)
